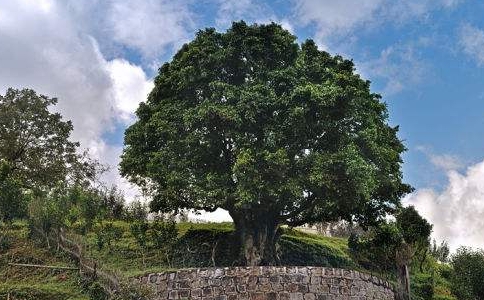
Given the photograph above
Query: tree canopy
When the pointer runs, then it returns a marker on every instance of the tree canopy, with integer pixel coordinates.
(272, 131)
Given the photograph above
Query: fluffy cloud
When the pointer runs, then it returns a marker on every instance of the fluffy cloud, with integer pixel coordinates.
(399, 66)
(149, 25)
(342, 18)
(249, 11)
(457, 211)
(44, 49)
(446, 162)
(471, 39)
(130, 86)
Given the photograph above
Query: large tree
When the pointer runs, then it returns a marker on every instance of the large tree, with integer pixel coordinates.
(273, 132)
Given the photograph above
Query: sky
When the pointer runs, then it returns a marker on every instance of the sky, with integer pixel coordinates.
(425, 57)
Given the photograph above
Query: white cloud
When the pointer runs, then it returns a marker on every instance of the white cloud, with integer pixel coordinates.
(471, 39)
(446, 162)
(457, 211)
(130, 86)
(338, 19)
(249, 11)
(149, 25)
(44, 49)
(399, 66)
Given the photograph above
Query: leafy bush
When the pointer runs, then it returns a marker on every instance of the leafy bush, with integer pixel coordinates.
(106, 232)
(164, 235)
(422, 287)
(467, 278)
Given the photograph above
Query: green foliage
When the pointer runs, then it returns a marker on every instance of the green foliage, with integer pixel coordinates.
(422, 287)
(30, 291)
(13, 201)
(139, 230)
(164, 236)
(467, 279)
(35, 141)
(163, 233)
(114, 204)
(5, 242)
(273, 132)
(106, 233)
(379, 250)
(415, 230)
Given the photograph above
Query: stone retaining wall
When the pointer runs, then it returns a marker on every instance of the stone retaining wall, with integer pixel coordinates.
(272, 283)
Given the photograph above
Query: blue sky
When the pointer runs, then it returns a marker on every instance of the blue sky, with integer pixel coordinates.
(426, 58)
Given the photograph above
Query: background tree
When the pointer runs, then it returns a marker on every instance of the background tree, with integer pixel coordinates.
(34, 141)
(273, 132)
(440, 252)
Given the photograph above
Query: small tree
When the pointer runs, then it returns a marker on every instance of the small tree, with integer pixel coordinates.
(271, 131)
(440, 252)
(164, 236)
(393, 245)
(139, 230)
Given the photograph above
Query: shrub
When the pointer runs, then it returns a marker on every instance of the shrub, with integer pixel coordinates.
(164, 235)
(468, 274)
(422, 287)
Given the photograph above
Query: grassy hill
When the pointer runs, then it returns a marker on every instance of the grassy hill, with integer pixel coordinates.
(198, 245)
(34, 283)
(202, 245)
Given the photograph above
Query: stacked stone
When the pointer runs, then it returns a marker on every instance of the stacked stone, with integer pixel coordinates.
(271, 283)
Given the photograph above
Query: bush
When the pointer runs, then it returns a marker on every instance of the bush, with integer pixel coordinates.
(106, 233)
(422, 287)
(164, 235)
(467, 278)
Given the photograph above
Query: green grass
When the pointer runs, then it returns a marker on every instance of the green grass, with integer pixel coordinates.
(197, 242)
(35, 283)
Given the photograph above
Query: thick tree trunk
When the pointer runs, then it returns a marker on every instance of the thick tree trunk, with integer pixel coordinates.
(258, 238)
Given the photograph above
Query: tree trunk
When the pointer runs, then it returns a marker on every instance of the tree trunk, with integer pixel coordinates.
(404, 283)
(258, 237)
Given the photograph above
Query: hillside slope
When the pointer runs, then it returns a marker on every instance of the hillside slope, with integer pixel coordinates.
(34, 283)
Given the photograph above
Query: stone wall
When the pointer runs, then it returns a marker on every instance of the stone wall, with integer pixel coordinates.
(278, 283)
